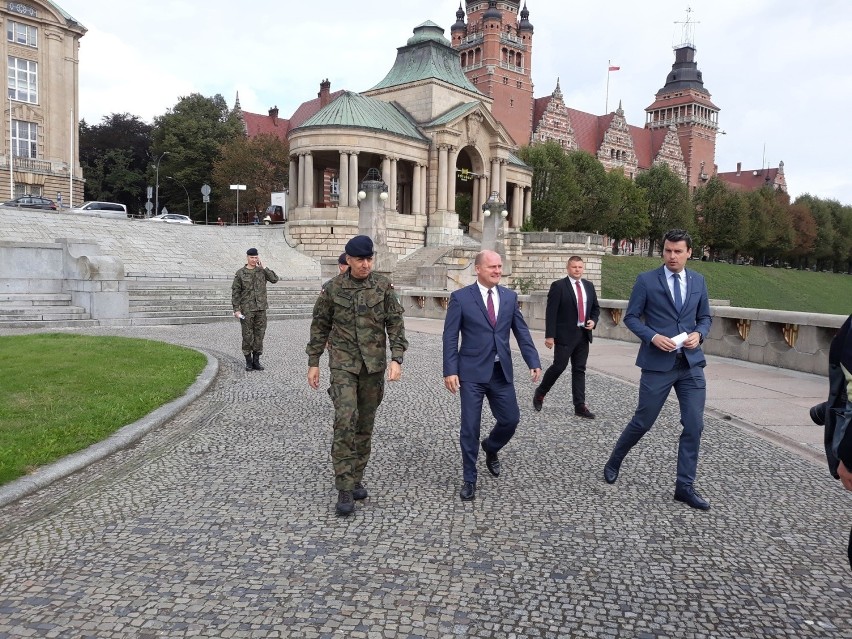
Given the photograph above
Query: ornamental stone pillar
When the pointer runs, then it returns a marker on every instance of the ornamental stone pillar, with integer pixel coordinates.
(343, 182)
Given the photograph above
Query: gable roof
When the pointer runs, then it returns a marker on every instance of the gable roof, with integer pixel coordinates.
(259, 124)
(753, 179)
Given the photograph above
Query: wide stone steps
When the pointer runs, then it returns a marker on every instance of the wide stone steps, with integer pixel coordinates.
(47, 310)
(405, 273)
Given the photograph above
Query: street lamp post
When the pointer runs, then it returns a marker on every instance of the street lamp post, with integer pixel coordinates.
(238, 188)
(188, 205)
(157, 185)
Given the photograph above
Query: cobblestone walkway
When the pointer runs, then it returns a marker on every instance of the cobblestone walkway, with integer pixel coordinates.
(222, 524)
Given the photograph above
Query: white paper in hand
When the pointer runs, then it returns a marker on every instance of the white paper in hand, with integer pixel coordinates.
(679, 339)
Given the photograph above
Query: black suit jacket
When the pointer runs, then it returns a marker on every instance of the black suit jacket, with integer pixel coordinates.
(561, 314)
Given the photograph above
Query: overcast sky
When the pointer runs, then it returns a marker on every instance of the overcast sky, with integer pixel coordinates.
(779, 70)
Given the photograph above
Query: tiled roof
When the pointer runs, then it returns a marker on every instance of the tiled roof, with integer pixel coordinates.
(428, 55)
(514, 159)
(257, 124)
(749, 180)
(352, 110)
(309, 108)
(539, 107)
(586, 131)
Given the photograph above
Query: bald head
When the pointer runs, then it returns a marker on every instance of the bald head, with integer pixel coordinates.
(489, 268)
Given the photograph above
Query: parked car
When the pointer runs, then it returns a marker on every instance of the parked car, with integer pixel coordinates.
(102, 209)
(171, 218)
(274, 214)
(32, 202)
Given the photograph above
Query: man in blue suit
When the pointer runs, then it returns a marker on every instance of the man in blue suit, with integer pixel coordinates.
(484, 314)
(676, 312)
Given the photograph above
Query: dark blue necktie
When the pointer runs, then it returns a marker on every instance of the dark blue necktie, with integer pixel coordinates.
(677, 296)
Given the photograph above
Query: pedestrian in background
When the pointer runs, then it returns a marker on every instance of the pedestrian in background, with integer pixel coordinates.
(356, 314)
(572, 312)
(669, 310)
(248, 298)
(484, 314)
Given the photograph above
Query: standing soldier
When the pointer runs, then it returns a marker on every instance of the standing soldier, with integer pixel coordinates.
(248, 297)
(355, 314)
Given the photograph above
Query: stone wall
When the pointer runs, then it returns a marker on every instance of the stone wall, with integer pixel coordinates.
(539, 258)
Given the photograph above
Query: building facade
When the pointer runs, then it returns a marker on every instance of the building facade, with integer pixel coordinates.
(40, 138)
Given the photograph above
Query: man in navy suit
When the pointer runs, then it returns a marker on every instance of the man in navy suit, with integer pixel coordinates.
(572, 313)
(676, 312)
(484, 314)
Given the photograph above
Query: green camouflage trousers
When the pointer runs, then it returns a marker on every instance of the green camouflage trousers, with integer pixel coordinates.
(254, 328)
(355, 398)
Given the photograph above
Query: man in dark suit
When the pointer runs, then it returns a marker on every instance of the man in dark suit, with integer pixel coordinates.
(572, 313)
(484, 314)
(676, 311)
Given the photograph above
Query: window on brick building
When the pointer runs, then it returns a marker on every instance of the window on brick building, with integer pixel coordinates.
(505, 80)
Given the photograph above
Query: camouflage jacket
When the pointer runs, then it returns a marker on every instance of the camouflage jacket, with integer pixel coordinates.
(248, 292)
(355, 317)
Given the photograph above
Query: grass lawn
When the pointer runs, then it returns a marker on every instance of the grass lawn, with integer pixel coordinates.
(60, 393)
(744, 286)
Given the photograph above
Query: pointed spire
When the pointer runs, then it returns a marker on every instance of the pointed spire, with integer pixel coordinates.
(525, 25)
(237, 103)
(459, 25)
(619, 110)
(557, 92)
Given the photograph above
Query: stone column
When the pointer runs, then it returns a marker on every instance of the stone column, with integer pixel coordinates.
(527, 204)
(516, 207)
(424, 189)
(293, 196)
(483, 195)
(502, 182)
(452, 159)
(495, 177)
(386, 173)
(302, 184)
(442, 179)
(475, 211)
(392, 185)
(309, 179)
(415, 190)
(343, 181)
(353, 178)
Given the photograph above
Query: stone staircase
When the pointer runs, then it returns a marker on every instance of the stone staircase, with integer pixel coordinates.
(42, 310)
(405, 273)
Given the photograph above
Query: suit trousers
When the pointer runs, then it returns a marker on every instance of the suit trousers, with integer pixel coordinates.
(577, 351)
(504, 406)
(691, 390)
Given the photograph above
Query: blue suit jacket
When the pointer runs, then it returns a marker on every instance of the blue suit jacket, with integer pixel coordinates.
(652, 299)
(480, 342)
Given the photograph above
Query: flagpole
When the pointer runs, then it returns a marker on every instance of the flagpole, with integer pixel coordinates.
(11, 155)
(606, 105)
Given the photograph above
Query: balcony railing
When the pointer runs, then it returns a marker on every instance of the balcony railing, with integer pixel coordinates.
(34, 165)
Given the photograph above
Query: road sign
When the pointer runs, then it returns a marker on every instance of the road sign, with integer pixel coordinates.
(205, 191)
(148, 207)
(150, 192)
(205, 198)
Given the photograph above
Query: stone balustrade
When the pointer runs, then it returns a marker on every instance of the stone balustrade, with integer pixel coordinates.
(787, 339)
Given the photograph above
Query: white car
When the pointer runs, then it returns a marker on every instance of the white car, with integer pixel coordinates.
(102, 209)
(171, 218)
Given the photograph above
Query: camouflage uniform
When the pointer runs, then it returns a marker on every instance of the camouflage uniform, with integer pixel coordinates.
(248, 294)
(355, 317)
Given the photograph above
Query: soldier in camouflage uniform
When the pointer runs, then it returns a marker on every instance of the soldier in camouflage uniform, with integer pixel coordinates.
(353, 315)
(248, 297)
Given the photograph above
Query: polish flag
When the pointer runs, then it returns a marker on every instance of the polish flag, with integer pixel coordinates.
(614, 68)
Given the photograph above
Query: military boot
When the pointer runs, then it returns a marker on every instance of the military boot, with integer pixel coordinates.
(248, 362)
(359, 492)
(255, 361)
(345, 503)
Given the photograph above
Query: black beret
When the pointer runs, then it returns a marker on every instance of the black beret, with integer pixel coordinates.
(251, 251)
(342, 259)
(360, 246)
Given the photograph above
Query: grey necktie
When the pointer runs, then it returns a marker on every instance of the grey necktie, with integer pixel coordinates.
(678, 300)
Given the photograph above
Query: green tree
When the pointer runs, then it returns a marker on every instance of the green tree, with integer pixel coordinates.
(628, 214)
(552, 190)
(805, 233)
(192, 133)
(261, 163)
(114, 158)
(669, 206)
(590, 208)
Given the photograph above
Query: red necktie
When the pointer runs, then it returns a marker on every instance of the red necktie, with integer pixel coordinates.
(492, 316)
(581, 306)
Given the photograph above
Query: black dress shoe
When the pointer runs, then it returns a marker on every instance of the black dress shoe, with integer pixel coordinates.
(491, 462)
(691, 498)
(538, 400)
(581, 410)
(610, 473)
(818, 414)
(468, 491)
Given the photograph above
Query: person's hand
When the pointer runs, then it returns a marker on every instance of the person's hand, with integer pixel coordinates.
(451, 382)
(663, 343)
(535, 373)
(845, 476)
(692, 340)
(394, 371)
(590, 324)
(548, 342)
(313, 377)
(237, 313)
(259, 263)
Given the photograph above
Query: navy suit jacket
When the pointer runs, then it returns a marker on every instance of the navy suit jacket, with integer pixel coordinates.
(467, 316)
(652, 299)
(561, 313)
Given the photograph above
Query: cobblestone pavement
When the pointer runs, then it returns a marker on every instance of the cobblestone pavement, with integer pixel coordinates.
(221, 523)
